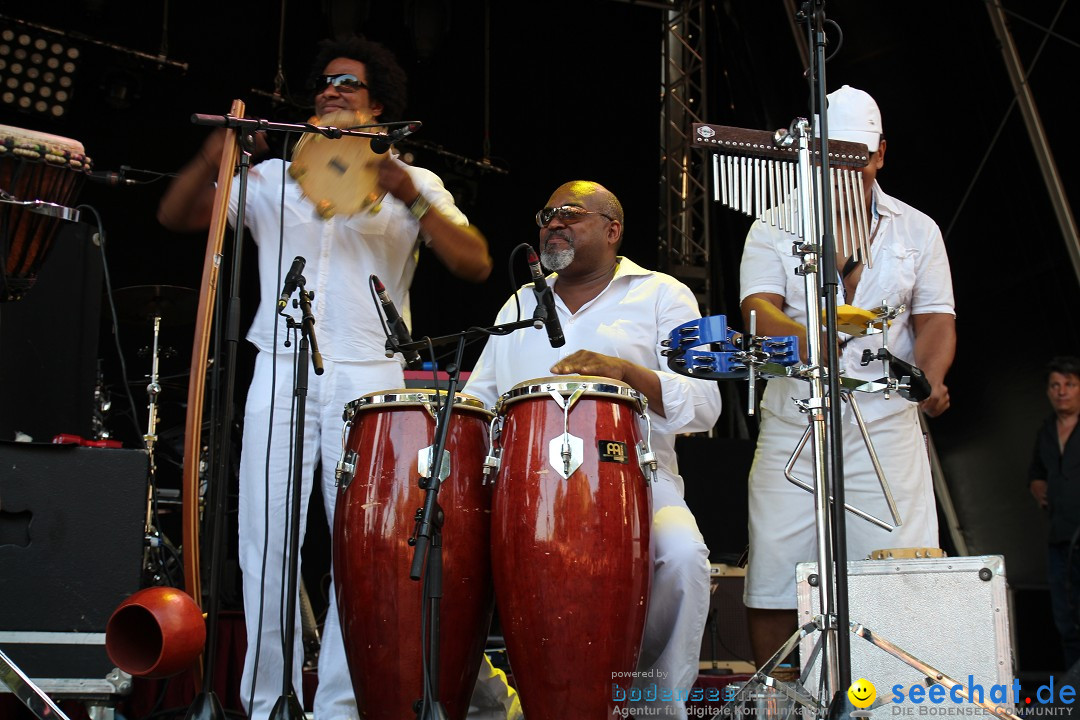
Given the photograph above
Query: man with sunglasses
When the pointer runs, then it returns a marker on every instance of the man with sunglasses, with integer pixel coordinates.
(340, 253)
(909, 268)
(614, 314)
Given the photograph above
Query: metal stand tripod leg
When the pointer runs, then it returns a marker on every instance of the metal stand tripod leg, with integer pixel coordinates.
(30, 694)
(797, 693)
(793, 691)
(932, 674)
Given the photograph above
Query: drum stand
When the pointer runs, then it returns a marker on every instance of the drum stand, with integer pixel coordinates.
(153, 389)
(427, 540)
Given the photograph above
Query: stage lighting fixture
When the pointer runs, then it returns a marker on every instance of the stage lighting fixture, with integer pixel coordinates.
(36, 71)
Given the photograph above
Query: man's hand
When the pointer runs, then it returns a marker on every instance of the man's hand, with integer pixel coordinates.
(938, 402)
(395, 180)
(642, 379)
(1039, 491)
(587, 362)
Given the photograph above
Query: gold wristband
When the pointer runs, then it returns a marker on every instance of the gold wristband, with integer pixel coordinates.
(419, 207)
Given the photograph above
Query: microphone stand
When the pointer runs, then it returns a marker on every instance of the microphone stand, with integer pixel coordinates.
(252, 125)
(829, 284)
(427, 537)
(288, 707)
(206, 705)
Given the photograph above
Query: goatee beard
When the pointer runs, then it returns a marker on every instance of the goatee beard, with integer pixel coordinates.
(556, 260)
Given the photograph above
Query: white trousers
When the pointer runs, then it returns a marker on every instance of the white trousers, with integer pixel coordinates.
(781, 515)
(264, 511)
(678, 605)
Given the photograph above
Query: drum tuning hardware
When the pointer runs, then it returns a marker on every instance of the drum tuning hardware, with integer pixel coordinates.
(493, 460)
(425, 463)
(646, 457)
(345, 469)
(491, 466)
(647, 461)
(346, 465)
(565, 454)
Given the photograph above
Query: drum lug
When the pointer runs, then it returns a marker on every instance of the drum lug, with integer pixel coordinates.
(647, 460)
(492, 463)
(424, 463)
(565, 454)
(345, 469)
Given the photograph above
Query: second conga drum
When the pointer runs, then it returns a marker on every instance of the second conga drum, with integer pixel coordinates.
(570, 543)
(378, 499)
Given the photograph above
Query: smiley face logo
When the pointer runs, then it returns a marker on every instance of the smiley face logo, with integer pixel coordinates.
(862, 693)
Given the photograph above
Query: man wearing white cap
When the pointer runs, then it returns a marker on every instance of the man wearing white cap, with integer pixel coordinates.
(908, 267)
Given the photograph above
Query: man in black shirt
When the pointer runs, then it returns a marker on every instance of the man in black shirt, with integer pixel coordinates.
(1054, 478)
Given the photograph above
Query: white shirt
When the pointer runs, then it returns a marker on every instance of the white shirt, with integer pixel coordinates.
(628, 319)
(910, 267)
(341, 254)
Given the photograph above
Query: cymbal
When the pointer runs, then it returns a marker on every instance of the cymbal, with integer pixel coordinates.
(175, 305)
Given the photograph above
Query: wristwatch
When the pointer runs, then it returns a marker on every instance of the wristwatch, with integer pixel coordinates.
(419, 207)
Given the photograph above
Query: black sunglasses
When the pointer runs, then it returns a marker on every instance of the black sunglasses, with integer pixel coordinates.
(342, 82)
(566, 213)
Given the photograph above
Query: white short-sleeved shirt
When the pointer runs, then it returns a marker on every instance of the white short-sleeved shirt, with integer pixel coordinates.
(910, 268)
(340, 253)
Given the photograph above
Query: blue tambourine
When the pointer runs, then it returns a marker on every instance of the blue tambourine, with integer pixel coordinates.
(736, 353)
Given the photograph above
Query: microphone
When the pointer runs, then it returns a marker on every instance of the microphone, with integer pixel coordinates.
(545, 302)
(292, 280)
(398, 330)
(381, 144)
(111, 179)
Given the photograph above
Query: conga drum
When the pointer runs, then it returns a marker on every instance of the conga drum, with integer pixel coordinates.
(50, 170)
(571, 517)
(388, 439)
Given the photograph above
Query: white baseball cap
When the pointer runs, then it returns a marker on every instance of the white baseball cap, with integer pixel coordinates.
(854, 117)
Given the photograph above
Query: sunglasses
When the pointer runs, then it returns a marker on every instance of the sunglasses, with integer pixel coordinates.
(342, 82)
(567, 213)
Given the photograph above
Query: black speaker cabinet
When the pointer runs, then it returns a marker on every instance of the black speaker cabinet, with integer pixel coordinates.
(49, 343)
(71, 539)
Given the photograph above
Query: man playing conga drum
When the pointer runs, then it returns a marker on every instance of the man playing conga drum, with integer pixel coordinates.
(614, 314)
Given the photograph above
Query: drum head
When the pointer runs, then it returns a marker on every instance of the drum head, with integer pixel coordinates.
(414, 397)
(590, 385)
(340, 176)
(52, 149)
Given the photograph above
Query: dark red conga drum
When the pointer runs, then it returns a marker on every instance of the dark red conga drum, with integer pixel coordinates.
(388, 435)
(570, 543)
(34, 167)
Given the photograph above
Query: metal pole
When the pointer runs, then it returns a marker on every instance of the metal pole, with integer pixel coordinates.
(1030, 113)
